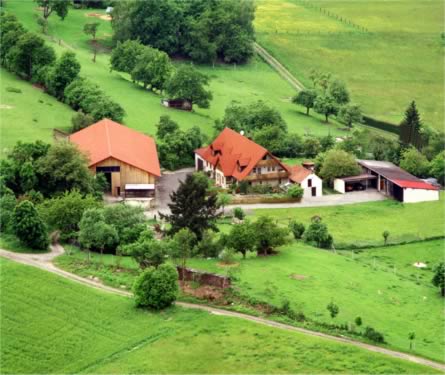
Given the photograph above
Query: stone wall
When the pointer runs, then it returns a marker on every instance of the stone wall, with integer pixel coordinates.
(204, 278)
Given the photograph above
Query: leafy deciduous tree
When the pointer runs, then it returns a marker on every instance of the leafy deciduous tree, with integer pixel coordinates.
(305, 98)
(29, 227)
(414, 162)
(338, 163)
(188, 83)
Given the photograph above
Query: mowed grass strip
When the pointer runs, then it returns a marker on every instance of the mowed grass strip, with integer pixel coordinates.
(399, 60)
(52, 325)
(394, 303)
(27, 113)
(362, 224)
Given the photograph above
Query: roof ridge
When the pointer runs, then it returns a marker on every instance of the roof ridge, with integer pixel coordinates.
(108, 139)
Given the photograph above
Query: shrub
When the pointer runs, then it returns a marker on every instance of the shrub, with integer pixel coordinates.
(80, 121)
(209, 246)
(239, 213)
(358, 321)
(261, 189)
(243, 187)
(385, 235)
(7, 205)
(29, 227)
(156, 288)
(317, 234)
(439, 278)
(333, 309)
(295, 191)
(14, 90)
(373, 335)
(147, 253)
(297, 229)
(227, 256)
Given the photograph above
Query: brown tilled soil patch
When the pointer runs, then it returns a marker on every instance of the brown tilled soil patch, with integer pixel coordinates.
(297, 277)
(207, 292)
(225, 265)
(105, 17)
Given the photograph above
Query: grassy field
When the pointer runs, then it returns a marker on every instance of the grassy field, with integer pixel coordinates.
(74, 329)
(397, 59)
(394, 303)
(245, 84)
(362, 224)
(28, 115)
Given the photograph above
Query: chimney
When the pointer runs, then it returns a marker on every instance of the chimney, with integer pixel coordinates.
(308, 165)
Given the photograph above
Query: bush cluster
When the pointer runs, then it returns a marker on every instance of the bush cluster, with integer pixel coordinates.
(82, 94)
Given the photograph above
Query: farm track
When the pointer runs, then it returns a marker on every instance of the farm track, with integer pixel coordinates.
(280, 68)
(44, 262)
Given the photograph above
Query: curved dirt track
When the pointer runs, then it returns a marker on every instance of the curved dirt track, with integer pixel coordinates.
(44, 262)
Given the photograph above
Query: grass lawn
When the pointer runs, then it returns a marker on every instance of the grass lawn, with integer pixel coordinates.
(12, 243)
(247, 83)
(398, 60)
(362, 224)
(393, 303)
(69, 328)
(29, 115)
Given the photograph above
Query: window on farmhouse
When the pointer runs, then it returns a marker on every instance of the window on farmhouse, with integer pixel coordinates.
(309, 182)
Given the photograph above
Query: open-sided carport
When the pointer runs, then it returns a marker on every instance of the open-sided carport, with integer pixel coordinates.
(350, 183)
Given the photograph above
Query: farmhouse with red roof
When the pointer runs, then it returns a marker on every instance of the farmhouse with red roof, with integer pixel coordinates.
(390, 180)
(127, 158)
(232, 158)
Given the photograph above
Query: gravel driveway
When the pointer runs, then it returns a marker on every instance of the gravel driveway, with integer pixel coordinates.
(369, 195)
(166, 184)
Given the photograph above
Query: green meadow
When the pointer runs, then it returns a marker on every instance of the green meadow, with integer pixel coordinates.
(70, 328)
(245, 84)
(397, 59)
(362, 224)
(27, 113)
(382, 287)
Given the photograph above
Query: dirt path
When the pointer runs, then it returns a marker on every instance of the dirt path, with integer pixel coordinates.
(44, 262)
(275, 64)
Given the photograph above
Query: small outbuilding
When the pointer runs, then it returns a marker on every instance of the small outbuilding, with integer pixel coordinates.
(304, 175)
(127, 158)
(183, 104)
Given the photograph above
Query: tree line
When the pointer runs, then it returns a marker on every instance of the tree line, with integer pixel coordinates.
(27, 55)
(204, 31)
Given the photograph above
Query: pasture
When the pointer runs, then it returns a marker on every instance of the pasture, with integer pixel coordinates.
(362, 225)
(395, 302)
(388, 52)
(70, 328)
(27, 113)
(245, 84)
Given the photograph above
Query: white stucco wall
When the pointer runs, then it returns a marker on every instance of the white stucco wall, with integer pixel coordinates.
(207, 166)
(339, 185)
(419, 195)
(316, 183)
